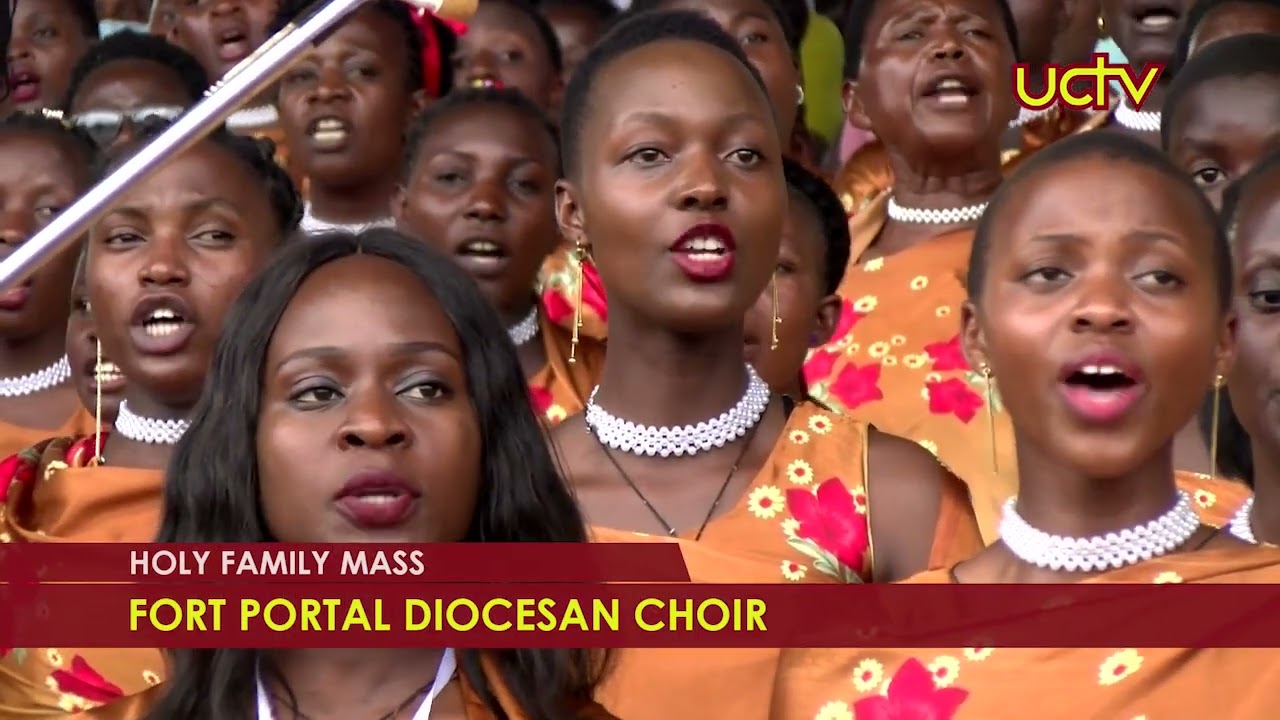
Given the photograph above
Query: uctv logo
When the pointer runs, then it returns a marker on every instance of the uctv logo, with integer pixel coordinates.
(1085, 86)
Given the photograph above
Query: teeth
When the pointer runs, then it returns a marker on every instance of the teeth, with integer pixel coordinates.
(482, 247)
(162, 314)
(379, 499)
(705, 245)
(161, 329)
(1101, 370)
(950, 85)
(330, 124)
(483, 83)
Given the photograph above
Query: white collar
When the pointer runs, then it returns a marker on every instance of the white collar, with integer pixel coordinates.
(312, 225)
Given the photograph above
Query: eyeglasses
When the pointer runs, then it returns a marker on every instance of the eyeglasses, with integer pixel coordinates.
(105, 126)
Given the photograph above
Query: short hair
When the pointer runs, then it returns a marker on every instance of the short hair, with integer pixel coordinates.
(1238, 57)
(832, 220)
(257, 154)
(212, 490)
(1109, 145)
(130, 45)
(546, 33)
(1199, 11)
(633, 33)
(785, 11)
(604, 10)
(51, 124)
(397, 11)
(86, 14)
(855, 30)
(501, 98)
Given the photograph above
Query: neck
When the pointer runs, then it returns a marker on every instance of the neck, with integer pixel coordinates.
(516, 310)
(120, 451)
(1035, 78)
(353, 682)
(1266, 491)
(1060, 500)
(352, 201)
(1154, 101)
(929, 184)
(20, 356)
(656, 377)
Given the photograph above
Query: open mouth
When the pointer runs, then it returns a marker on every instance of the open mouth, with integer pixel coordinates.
(482, 249)
(233, 44)
(1100, 378)
(24, 86)
(951, 91)
(107, 374)
(487, 81)
(706, 249)
(1157, 19)
(328, 133)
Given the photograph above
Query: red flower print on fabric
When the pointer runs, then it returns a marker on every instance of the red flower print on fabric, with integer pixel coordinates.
(953, 397)
(831, 531)
(947, 355)
(85, 682)
(541, 399)
(912, 696)
(16, 469)
(857, 385)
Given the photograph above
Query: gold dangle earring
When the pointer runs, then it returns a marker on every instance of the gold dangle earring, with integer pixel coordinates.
(776, 320)
(991, 414)
(97, 403)
(580, 255)
(1218, 383)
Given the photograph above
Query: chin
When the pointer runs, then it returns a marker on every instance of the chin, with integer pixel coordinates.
(699, 311)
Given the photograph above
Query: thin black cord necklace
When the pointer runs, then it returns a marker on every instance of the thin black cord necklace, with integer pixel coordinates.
(671, 531)
(299, 715)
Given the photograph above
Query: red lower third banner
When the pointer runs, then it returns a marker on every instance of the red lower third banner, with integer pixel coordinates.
(339, 563)
(635, 615)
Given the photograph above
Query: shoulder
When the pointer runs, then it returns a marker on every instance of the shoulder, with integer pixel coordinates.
(906, 461)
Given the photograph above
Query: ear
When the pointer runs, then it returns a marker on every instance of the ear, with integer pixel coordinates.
(973, 341)
(418, 102)
(569, 214)
(1225, 352)
(399, 203)
(853, 109)
(824, 322)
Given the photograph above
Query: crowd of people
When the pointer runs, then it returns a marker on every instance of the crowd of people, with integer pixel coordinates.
(730, 274)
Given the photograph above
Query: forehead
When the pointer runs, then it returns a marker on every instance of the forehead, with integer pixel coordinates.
(21, 151)
(1100, 197)
(887, 11)
(1235, 18)
(205, 171)
(498, 15)
(368, 27)
(727, 12)
(493, 129)
(1218, 108)
(803, 232)
(678, 78)
(1257, 227)
(361, 301)
(128, 83)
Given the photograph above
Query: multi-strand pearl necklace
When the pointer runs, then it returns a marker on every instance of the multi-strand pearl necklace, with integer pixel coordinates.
(1140, 120)
(42, 379)
(1114, 550)
(149, 430)
(1241, 524)
(932, 216)
(525, 330)
(666, 441)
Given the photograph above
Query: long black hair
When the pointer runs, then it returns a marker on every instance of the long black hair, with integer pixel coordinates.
(212, 483)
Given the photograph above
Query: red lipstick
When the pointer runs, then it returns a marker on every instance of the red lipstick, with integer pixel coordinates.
(705, 252)
(376, 499)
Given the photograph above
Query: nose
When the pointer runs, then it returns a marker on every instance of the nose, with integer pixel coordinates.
(373, 421)
(226, 7)
(164, 264)
(15, 228)
(701, 184)
(1103, 306)
(481, 65)
(948, 47)
(331, 84)
(486, 203)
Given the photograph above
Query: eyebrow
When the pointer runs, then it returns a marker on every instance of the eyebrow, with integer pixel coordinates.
(658, 118)
(331, 352)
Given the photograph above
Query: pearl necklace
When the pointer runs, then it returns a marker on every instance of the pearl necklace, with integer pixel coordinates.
(1139, 120)
(1027, 115)
(665, 441)
(254, 118)
(1101, 552)
(42, 379)
(931, 216)
(149, 430)
(1241, 525)
(312, 225)
(525, 330)
(444, 673)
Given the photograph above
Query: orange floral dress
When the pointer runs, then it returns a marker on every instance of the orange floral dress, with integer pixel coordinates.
(14, 438)
(51, 493)
(561, 388)
(983, 683)
(804, 518)
(1216, 499)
